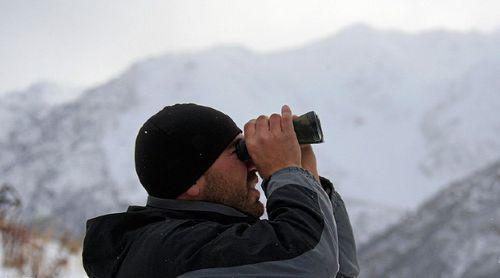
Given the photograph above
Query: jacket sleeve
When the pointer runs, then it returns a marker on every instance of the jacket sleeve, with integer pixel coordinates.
(348, 260)
(299, 239)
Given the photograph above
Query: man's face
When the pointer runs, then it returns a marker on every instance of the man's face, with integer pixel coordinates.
(232, 182)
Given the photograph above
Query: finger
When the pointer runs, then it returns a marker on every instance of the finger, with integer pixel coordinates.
(286, 119)
(249, 129)
(305, 146)
(262, 125)
(275, 124)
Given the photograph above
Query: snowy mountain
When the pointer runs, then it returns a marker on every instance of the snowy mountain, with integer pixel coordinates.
(396, 109)
(454, 234)
(369, 218)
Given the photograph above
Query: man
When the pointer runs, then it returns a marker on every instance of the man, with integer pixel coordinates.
(202, 213)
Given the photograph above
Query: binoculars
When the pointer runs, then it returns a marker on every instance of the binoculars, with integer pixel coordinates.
(307, 128)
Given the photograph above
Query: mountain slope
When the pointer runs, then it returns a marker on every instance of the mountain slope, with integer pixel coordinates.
(379, 96)
(454, 234)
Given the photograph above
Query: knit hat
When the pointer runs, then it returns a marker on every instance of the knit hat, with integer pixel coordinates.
(178, 144)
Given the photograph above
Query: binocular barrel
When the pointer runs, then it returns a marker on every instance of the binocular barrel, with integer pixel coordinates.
(307, 128)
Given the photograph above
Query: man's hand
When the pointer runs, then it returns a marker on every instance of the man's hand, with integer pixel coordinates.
(272, 143)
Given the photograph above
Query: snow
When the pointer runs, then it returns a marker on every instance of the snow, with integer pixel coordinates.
(52, 252)
(369, 219)
(402, 115)
(454, 234)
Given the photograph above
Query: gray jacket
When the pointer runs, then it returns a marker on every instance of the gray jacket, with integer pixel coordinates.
(308, 234)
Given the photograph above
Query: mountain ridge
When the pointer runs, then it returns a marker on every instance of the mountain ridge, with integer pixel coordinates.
(75, 159)
(453, 234)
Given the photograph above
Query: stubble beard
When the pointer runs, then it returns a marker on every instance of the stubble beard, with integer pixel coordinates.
(219, 189)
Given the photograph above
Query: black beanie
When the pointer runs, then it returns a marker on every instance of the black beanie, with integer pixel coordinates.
(178, 144)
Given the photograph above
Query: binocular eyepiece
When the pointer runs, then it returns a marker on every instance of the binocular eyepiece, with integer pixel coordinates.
(307, 128)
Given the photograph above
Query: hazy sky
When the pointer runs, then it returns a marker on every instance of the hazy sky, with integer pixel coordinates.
(83, 42)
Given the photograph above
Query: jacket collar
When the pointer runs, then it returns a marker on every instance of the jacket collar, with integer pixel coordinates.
(197, 206)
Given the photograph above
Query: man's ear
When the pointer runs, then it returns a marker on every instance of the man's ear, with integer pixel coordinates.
(194, 192)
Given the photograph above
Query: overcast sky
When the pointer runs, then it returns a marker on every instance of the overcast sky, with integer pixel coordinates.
(84, 42)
